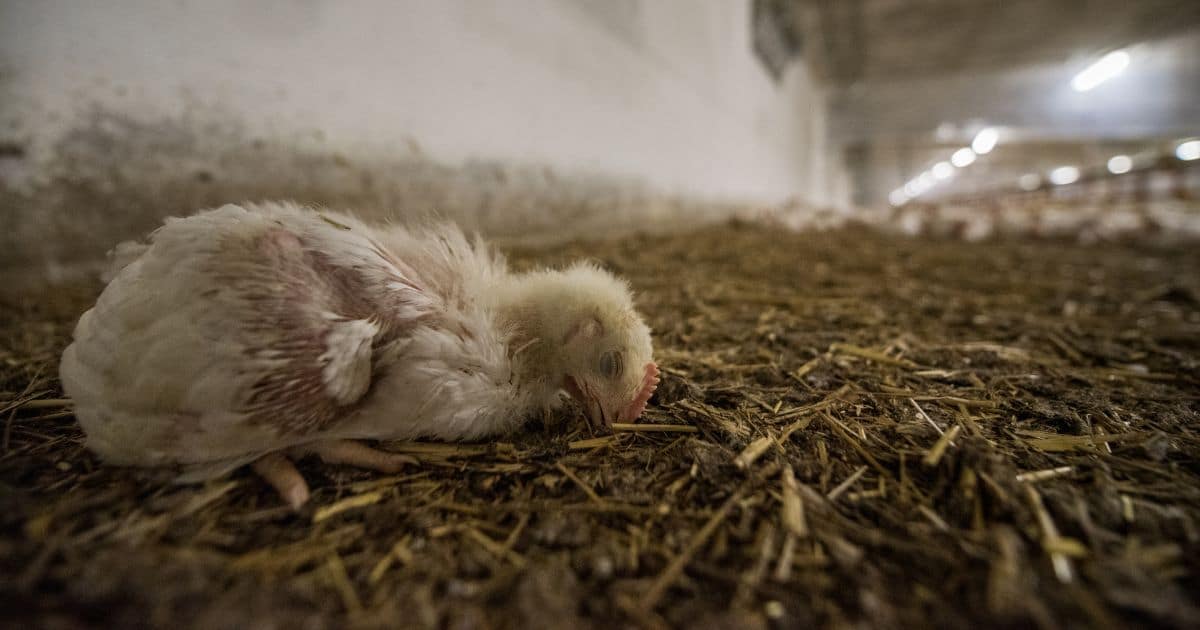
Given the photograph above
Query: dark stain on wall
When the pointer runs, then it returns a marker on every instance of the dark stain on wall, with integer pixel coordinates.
(113, 178)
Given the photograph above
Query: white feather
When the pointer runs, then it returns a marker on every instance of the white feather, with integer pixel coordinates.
(347, 359)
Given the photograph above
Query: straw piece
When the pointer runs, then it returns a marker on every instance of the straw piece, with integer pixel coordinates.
(662, 428)
(349, 503)
(873, 355)
(752, 452)
(845, 435)
(934, 518)
(787, 557)
(846, 485)
(41, 403)
(341, 581)
(830, 400)
(792, 513)
(934, 455)
(1042, 475)
(595, 442)
(399, 552)
(1051, 542)
(1055, 443)
(495, 548)
(579, 482)
(926, 416)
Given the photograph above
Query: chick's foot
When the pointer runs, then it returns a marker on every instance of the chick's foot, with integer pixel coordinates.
(354, 453)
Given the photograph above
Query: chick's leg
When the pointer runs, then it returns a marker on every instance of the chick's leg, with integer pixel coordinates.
(279, 471)
(358, 454)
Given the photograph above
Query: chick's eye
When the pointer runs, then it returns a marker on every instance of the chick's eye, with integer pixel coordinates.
(611, 364)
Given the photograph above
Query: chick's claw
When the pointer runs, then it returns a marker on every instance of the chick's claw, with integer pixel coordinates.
(279, 471)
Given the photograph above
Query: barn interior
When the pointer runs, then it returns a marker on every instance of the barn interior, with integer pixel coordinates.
(922, 277)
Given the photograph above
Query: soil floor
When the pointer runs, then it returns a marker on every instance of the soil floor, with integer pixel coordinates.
(865, 431)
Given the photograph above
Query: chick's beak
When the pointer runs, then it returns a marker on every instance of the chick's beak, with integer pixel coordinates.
(629, 411)
(579, 390)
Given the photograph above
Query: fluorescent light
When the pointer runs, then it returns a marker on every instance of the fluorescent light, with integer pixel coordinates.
(1188, 151)
(898, 198)
(1118, 164)
(1064, 175)
(943, 170)
(962, 157)
(919, 185)
(985, 141)
(1029, 181)
(1109, 66)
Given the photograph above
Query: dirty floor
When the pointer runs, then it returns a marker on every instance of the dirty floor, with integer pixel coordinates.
(853, 430)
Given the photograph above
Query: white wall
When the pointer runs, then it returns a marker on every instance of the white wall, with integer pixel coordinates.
(663, 91)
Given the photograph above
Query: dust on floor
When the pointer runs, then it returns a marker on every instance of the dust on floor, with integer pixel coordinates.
(862, 431)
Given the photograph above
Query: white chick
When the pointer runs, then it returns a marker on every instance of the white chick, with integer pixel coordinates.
(247, 334)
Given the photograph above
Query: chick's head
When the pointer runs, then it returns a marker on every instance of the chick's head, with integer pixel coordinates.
(596, 343)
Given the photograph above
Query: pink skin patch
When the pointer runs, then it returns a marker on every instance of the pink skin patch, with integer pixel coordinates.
(638, 404)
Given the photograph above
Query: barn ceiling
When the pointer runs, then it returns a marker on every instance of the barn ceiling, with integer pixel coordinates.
(912, 79)
(848, 41)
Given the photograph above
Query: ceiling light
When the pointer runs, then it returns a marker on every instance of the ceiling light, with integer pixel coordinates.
(898, 198)
(1029, 181)
(1119, 164)
(926, 180)
(1188, 151)
(985, 141)
(910, 189)
(962, 157)
(1064, 175)
(1109, 66)
(943, 170)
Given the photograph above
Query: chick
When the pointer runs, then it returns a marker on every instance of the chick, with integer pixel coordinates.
(245, 335)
